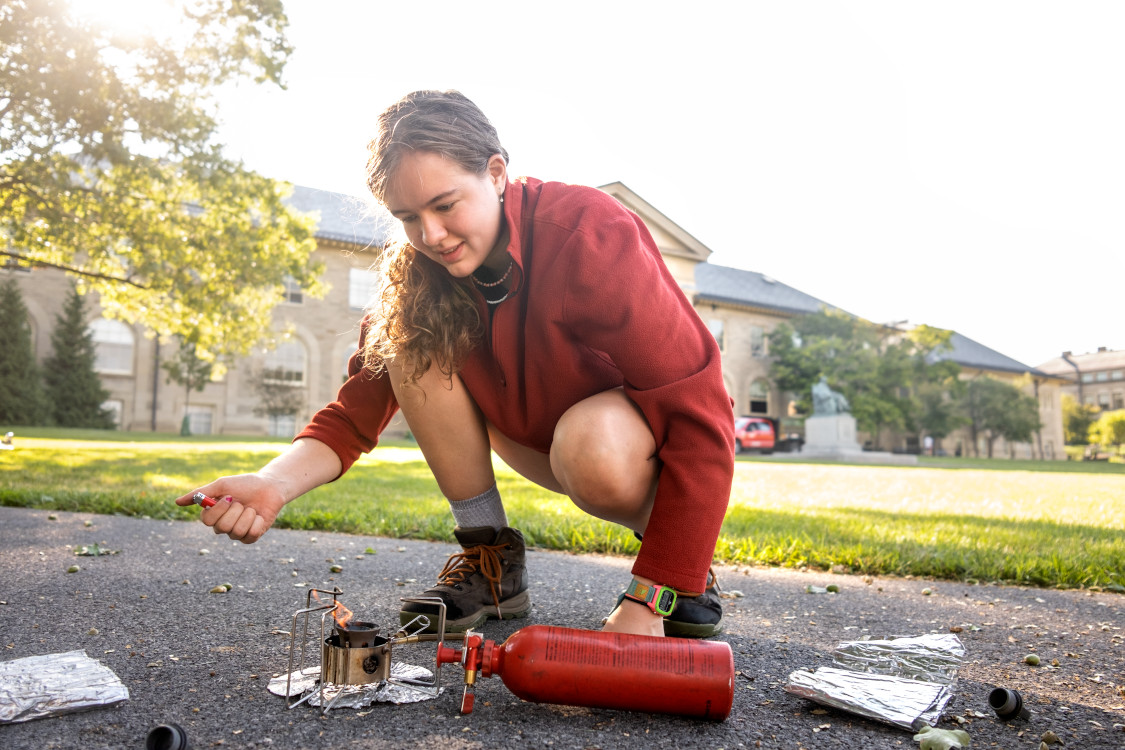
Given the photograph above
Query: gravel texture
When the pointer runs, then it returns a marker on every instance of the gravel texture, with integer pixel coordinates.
(203, 660)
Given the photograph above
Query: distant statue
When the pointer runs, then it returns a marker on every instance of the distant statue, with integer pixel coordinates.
(827, 402)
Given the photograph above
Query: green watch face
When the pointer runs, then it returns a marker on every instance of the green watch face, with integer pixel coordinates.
(660, 599)
(665, 602)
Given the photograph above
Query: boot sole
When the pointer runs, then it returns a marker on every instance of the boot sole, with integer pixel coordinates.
(510, 609)
(691, 630)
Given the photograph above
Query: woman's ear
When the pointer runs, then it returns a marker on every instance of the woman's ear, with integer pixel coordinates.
(498, 173)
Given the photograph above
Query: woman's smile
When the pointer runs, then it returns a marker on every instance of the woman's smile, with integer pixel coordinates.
(449, 214)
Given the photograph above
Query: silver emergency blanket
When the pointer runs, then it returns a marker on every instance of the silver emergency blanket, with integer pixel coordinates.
(39, 686)
(905, 682)
(355, 696)
(929, 658)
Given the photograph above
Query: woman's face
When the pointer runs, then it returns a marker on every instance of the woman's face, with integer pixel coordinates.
(450, 215)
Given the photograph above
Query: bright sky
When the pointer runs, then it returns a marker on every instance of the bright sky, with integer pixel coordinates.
(960, 164)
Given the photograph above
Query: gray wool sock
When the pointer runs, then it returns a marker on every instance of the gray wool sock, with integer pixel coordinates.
(486, 509)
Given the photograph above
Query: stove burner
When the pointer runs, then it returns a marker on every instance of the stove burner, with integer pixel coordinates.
(356, 654)
(357, 635)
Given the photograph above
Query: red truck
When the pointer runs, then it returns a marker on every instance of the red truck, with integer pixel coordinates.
(754, 434)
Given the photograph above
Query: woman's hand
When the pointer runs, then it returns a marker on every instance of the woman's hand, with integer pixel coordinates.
(249, 503)
(247, 506)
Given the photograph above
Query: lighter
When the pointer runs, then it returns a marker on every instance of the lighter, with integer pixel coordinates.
(203, 500)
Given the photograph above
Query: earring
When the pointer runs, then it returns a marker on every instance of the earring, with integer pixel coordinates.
(501, 200)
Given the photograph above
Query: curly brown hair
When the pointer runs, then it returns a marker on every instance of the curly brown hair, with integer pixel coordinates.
(422, 315)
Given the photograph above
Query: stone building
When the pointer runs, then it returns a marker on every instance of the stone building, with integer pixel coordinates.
(312, 361)
(977, 360)
(741, 308)
(1096, 378)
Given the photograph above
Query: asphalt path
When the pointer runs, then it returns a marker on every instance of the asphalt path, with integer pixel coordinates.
(203, 660)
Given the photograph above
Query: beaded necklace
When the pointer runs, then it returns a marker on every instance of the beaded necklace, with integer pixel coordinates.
(491, 284)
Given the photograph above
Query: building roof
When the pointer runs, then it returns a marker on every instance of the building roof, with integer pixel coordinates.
(343, 218)
(1102, 359)
(671, 238)
(732, 286)
(974, 355)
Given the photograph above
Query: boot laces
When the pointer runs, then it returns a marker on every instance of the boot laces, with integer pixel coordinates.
(484, 559)
(713, 581)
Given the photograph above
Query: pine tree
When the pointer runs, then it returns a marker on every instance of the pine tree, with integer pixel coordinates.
(22, 401)
(73, 386)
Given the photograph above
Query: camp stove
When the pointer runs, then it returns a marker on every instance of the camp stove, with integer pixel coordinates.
(354, 653)
(538, 663)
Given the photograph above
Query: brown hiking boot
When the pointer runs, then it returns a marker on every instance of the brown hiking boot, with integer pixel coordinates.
(488, 579)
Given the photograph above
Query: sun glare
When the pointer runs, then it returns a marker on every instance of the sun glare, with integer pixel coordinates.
(130, 17)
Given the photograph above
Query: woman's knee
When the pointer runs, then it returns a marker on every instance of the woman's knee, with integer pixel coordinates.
(603, 452)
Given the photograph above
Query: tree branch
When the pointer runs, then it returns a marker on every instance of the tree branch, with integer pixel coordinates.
(72, 269)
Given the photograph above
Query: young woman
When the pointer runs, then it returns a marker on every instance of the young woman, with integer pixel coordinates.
(536, 320)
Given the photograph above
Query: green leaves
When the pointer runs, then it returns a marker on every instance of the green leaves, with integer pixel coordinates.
(22, 400)
(1109, 429)
(74, 389)
(109, 169)
(999, 409)
(882, 371)
(1077, 420)
(941, 739)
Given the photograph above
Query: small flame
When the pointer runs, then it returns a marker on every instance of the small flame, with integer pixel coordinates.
(342, 614)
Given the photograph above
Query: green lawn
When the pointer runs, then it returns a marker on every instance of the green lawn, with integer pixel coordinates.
(1049, 524)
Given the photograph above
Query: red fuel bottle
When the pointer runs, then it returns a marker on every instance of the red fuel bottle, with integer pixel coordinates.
(570, 667)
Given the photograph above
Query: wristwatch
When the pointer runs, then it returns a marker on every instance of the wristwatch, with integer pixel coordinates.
(660, 599)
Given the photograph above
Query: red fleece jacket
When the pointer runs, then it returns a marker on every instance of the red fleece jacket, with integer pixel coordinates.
(593, 308)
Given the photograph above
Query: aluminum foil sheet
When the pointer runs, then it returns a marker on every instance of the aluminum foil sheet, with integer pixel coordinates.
(39, 686)
(355, 696)
(904, 703)
(930, 658)
(905, 682)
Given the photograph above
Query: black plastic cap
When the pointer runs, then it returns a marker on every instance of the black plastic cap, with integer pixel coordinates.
(167, 737)
(1007, 704)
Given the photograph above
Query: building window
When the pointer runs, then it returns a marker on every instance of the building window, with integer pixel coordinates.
(1103, 376)
(1117, 374)
(293, 294)
(1089, 399)
(286, 364)
(1087, 377)
(757, 341)
(361, 283)
(283, 425)
(759, 397)
(113, 341)
(1103, 400)
(199, 419)
(715, 326)
(1118, 400)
